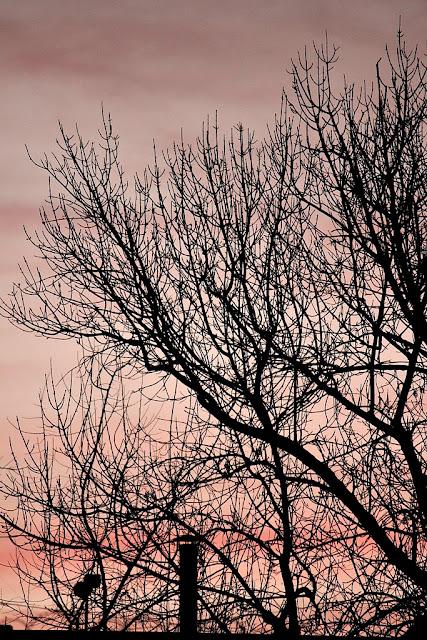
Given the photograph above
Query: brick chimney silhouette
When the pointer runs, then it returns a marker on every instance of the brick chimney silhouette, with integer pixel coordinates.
(187, 586)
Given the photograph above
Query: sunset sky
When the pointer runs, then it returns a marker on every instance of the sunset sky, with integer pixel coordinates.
(157, 66)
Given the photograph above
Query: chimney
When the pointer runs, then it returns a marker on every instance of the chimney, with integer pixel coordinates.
(187, 586)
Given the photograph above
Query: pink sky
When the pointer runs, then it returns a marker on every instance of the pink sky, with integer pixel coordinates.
(157, 66)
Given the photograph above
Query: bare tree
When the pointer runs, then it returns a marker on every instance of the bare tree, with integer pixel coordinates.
(273, 280)
(100, 498)
(67, 524)
(102, 493)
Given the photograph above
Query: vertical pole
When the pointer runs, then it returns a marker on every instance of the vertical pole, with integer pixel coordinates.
(187, 589)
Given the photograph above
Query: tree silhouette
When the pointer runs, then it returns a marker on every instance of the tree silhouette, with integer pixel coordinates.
(273, 280)
(113, 501)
